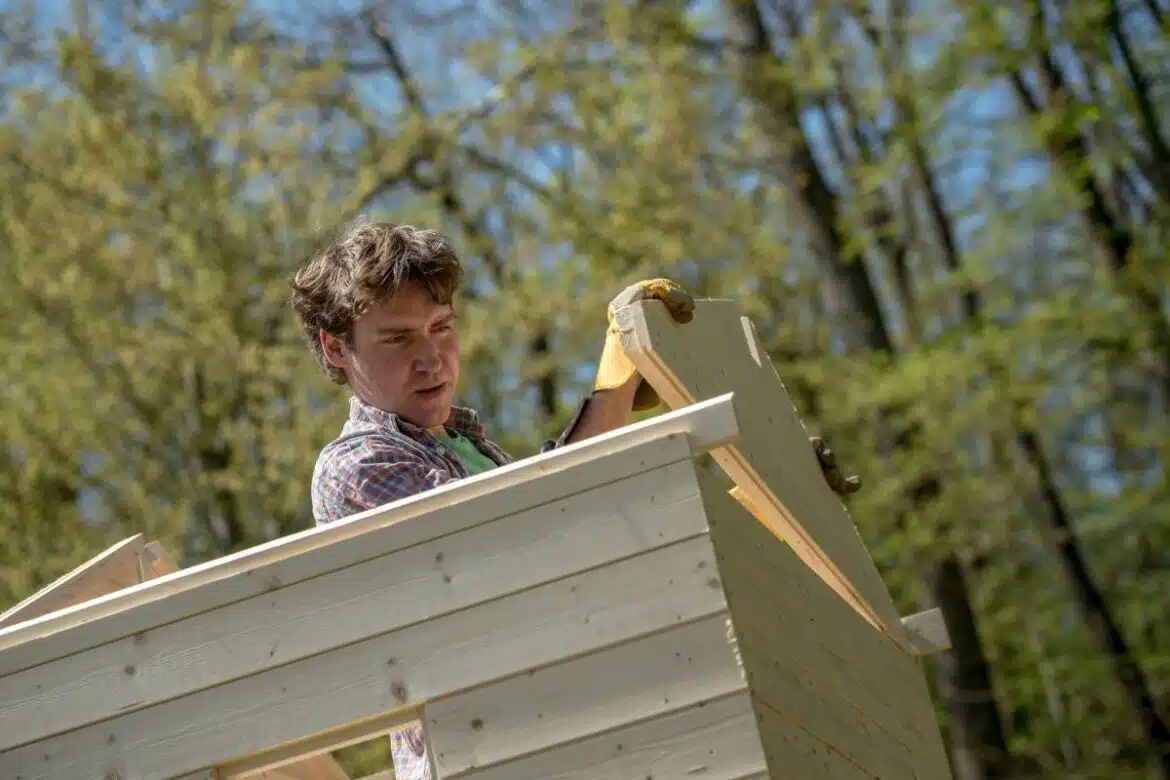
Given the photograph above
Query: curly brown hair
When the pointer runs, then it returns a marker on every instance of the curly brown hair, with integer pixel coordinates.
(367, 263)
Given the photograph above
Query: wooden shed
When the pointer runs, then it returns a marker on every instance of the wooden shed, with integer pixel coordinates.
(606, 610)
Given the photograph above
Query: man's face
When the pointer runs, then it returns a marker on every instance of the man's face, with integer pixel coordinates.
(404, 357)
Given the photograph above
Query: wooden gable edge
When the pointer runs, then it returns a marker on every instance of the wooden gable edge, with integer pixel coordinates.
(920, 634)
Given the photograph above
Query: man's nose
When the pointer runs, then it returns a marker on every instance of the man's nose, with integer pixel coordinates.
(427, 357)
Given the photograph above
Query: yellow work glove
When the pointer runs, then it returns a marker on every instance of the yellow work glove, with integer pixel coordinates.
(614, 368)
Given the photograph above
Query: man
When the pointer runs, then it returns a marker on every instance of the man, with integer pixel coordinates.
(377, 308)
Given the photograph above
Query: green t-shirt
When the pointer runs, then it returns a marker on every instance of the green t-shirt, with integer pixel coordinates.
(473, 460)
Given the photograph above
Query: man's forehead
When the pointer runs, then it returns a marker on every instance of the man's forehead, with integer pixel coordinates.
(406, 313)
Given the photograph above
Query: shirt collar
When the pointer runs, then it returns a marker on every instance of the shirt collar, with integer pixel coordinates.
(462, 419)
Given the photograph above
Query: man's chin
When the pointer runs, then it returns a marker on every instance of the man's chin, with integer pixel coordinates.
(435, 411)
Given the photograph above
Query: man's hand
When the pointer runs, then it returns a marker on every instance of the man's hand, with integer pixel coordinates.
(615, 369)
(840, 484)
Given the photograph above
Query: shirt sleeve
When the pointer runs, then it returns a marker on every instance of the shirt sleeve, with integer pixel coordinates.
(574, 421)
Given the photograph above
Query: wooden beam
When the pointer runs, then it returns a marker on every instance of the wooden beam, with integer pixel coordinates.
(835, 698)
(927, 632)
(448, 508)
(771, 463)
(110, 571)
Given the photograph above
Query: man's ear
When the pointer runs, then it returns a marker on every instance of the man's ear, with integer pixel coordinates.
(334, 349)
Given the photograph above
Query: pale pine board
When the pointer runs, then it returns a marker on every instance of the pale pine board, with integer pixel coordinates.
(715, 739)
(836, 698)
(446, 656)
(772, 461)
(650, 676)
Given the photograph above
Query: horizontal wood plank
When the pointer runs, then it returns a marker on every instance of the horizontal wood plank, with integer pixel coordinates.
(816, 663)
(636, 680)
(311, 553)
(715, 739)
(441, 657)
(622, 518)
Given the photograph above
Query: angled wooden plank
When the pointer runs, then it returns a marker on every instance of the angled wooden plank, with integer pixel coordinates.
(615, 519)
(447, 509)
(156, 561)
(109, 571)
(835, 697)
(772, 463)
(420, 663)
(643, 678)
(715, 739)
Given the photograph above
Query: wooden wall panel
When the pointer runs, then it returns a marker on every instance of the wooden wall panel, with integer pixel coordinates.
(714, 739)
(645, 678)
(626, 559)
(836, 699)
(372, 597)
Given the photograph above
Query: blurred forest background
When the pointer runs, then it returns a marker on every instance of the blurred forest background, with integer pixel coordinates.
(948, 218)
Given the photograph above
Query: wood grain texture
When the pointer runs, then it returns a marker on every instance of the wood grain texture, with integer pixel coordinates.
(109, 571)
(155, 561)
(429, 658)
(772, 462)
(640, 679)
(835, 697)
(624, 517)
(447, 509)
(715, 739)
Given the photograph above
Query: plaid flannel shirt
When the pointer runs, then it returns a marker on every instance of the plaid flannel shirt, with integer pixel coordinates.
(379, 458)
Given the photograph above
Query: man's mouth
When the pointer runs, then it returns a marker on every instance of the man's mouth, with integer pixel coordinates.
(433, 391)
